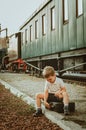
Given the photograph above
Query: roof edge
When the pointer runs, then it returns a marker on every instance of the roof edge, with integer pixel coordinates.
(34, 13)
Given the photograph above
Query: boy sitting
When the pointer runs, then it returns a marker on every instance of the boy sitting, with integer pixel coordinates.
(54, 91)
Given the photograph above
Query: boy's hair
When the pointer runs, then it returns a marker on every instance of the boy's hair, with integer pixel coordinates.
(48, 71)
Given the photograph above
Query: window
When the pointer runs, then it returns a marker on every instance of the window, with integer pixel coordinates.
(26, 36)
(36, 29)
(53, 18)
(22, 38)
(44, 24)
(23, 35)
(65, 11)
(31, 33)
(79, 8)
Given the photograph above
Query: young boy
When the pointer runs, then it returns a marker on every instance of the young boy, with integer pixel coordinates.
(54, 91)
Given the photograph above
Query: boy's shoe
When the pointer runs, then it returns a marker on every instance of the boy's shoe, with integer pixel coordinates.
(38, 112)
(66, 111)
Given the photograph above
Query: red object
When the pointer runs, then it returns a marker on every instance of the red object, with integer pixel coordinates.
(20, 64)
(19, 61)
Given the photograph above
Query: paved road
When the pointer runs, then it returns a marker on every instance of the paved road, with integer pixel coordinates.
(32, 85)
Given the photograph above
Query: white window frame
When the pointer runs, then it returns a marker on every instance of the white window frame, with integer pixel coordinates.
(44, 24)
(31, 33)
(65, 11)
(79, 8)
(53, 18)
(23, 37)
(26, 36)
(36, 29)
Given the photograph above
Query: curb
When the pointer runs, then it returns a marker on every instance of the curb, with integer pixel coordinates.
(53, 116)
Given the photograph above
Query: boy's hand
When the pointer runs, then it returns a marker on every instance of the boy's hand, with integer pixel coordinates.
(47, 105)
(60, 91)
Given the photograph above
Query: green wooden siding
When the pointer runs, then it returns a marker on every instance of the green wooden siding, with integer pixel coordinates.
(72, 25)
(80, 30)
(65, 37)
(84, 4)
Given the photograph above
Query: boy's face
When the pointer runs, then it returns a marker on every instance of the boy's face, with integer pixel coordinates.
(51, 79)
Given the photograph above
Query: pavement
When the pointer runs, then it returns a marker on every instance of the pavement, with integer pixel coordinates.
(26, 87)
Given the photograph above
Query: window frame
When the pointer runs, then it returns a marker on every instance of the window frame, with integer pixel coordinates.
(30, 33)
(44, 24)
(22, 33)
(77, 9)
(53, 26)
(23, 37)
(65, 21)
(36, 29)
(26, 35)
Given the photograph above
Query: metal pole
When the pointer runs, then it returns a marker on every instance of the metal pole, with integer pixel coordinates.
(6, 32)
(0, 30)
(62, 71)
(5, 29)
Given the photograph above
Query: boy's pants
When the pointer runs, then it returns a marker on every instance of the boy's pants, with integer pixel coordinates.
(53, 98)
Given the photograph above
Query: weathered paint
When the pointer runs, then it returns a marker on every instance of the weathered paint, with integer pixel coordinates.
(84, 5)
(65, 37)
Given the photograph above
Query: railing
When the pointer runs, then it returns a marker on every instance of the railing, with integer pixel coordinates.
(76, 66)
(58, 72)
(36, 69)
